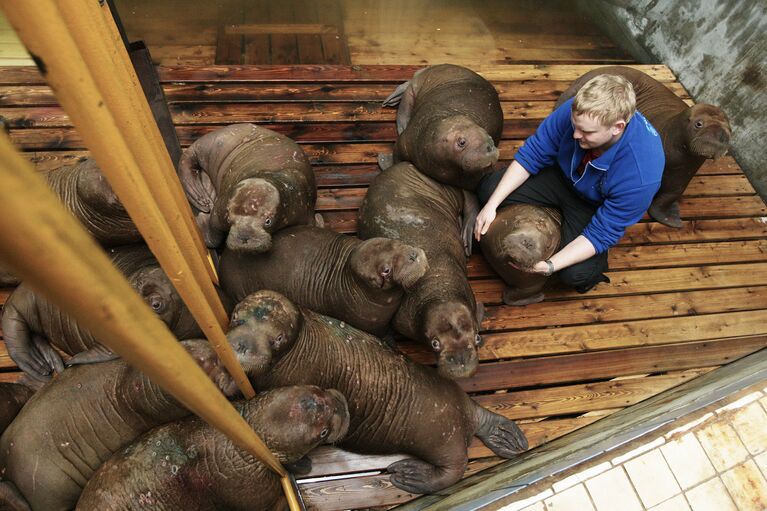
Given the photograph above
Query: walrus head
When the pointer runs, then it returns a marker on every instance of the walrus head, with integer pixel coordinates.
(94, 189)
(453, 334)
(465, 144)
(263, 327)
(252, 214)
(708, 131)
(384, 263)
(158, 293)
(315, 416)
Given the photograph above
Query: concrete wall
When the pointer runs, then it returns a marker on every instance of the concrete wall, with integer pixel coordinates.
(717, 49)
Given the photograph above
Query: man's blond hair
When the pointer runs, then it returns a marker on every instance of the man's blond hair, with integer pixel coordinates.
(606, 98)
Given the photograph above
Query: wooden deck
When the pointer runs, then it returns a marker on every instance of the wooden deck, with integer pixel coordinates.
(680, 302)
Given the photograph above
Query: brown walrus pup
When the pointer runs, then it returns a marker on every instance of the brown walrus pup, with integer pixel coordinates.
(395, 404)
(360, 282)
(189, 461)
(79, 419)
(247, 182)
(449, 122)
(520, 236)
(440, 310)
(32, 325)
(690, 134)
(85, 192)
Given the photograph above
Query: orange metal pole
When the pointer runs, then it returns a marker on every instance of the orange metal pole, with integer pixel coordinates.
(43, 30)
(165, 165)
(86, 22)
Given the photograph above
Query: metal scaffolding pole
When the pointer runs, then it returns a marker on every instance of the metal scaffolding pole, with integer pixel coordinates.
(87, 85)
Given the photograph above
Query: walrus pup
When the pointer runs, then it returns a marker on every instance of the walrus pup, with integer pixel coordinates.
(32, 325)
(690, 134)
(520, 236)
(247, 182)
(79, 419)
(85, 192)
(189, 461)
(395, 404)
(440, 310)
(360, 282)
(449, 123)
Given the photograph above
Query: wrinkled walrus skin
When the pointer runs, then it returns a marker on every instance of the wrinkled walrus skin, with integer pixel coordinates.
(13, 396)
(32, 325)
(520, 236)
(360, 282)
(440, 310)
(85, 192)
(247, 182)
(189, 461)
(79, 419)
(690, 134)
(395, 404)
(449, 122)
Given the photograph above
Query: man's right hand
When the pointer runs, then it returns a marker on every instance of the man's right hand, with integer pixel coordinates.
(484, 219)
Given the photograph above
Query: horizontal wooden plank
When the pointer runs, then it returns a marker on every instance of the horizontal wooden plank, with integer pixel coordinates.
(589, 310)
(657, 256)
(313, 73)
(525, 90)
(582, 398)
(601, 336)
(609, 364)
(488, 291)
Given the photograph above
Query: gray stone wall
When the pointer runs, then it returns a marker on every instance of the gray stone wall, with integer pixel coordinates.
(717, 49)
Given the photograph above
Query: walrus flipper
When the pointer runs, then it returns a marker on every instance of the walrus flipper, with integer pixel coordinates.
(11, 498)
(403, 97)
(385, 160)
(500, 434)
(98, 353)
(418, 476)
(396, 96)
(32, 353)
(468, 218)
(197, 185)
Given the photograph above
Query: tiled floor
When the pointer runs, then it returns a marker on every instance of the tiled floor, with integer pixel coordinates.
(715, 460)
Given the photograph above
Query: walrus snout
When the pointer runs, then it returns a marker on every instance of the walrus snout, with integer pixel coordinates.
(415, 267)
(252, 349)
(458, 363)
(341, 418)
(243, 238)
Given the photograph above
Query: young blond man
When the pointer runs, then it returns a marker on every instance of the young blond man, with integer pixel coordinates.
(598, 161)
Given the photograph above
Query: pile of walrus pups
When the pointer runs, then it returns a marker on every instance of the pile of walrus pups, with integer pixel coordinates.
(313, 322)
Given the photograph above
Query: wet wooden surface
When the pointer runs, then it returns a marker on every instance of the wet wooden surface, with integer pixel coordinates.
(680, 301)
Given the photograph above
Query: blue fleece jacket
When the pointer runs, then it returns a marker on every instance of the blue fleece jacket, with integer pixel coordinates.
(622, 181)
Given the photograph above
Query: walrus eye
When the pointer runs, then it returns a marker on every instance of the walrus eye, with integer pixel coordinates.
(268, 222)
(386, 271)
(461, 142)
(276, 342)
(699, 124)
(325, 432)
(435, 345)
(478, 340)
(155, 303)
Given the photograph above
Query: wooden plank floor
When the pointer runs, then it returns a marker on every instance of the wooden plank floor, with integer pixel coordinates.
(680, 302)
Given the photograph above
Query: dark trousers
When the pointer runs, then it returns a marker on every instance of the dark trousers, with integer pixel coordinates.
(550, 188)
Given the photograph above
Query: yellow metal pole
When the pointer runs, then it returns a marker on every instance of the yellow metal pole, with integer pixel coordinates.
(46, 246)
(122, 92)
(43, 31)
(152, 130)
